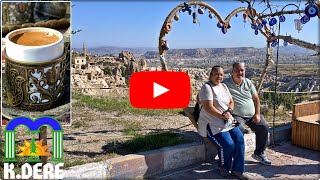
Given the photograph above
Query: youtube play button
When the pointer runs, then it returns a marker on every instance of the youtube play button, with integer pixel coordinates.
(159, 90)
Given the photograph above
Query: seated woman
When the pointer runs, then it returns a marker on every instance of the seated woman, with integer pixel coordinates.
(215, 122)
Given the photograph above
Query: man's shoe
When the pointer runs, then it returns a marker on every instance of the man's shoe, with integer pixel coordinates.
(262, 159)
(224, 172)
(240, 175)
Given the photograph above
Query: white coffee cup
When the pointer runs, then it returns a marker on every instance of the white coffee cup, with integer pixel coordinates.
(35, 54)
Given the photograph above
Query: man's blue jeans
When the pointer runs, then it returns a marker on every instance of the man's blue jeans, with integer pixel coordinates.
(230, 146)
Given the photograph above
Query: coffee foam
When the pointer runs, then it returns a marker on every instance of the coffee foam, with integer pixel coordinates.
(35, 38)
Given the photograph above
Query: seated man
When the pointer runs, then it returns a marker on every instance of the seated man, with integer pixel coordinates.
(247, 109)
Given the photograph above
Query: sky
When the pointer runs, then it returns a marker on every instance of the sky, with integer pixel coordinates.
(138, 24)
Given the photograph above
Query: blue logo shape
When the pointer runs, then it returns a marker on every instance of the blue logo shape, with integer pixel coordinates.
(33, 125)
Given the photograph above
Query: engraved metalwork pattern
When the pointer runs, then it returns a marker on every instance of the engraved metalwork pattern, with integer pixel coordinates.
(37, 86)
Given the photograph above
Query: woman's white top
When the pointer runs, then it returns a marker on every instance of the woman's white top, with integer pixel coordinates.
(221, 98)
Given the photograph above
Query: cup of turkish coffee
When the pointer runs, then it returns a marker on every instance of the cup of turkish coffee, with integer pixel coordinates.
(35, 68)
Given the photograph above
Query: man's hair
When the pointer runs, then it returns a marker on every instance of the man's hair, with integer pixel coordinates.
(215, 68)
(237, 64)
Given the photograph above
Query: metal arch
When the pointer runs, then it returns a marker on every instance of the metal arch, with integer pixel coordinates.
(265, 33)
(176, 10)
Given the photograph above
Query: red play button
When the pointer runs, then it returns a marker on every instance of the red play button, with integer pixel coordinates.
(159, 90)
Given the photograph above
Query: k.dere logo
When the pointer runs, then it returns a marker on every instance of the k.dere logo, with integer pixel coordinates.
(159, 90)
(33, 150)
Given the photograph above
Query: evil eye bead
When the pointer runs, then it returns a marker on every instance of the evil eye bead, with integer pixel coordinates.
(210, 15)
(219, 25)
(200, 10)
(305, 19)
(167, 46)
(162, 59)
(260, 26)
(282, 18)
(285, 43)
(274, 44)
(311, 10)
(256, 32)
(253, 26)
(264, 22)
(224, 30)
(272, 21)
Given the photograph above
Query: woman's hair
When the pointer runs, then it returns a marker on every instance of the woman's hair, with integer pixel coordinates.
(215, 68)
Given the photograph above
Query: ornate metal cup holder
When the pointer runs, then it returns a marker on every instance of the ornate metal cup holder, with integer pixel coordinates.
(34, 86)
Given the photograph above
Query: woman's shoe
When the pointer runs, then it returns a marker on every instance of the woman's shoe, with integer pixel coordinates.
(240, 175)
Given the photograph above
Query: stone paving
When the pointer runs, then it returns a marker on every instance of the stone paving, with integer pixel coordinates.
(288, 162)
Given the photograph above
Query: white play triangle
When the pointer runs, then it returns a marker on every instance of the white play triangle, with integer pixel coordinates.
(158, 90)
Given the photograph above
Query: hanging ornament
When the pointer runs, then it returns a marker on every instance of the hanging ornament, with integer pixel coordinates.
(186, 8)
(244, 17)
(236, 15)
(260, 26)
(200, 10)
(164, 45)
(274, 43)
(256, 32)
(305, 19)
(168, 27)
(302, 21)
(311, 10)
(224, 29)
(253, 26)
(264, 21)
(285, 43)
(162, 59)
(272, 21)
(210, 15)
(282, 18)
(176, 17)
(194, 17)
(298, 24)
(219, 25)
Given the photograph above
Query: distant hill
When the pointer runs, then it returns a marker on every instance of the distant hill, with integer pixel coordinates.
(293, 49)
(203, 52)
(115, 50)
(152, 53)
(217, 52)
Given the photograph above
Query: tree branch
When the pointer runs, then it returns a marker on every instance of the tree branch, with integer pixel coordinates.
(298, 42)
(281, 13)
